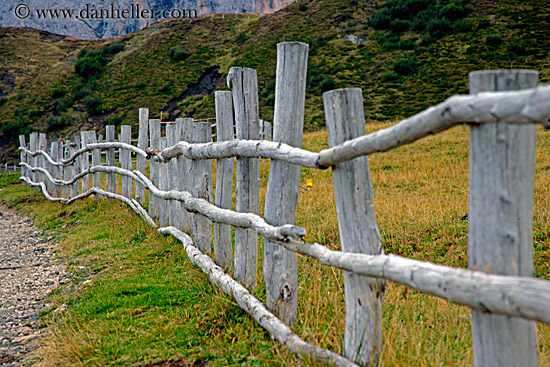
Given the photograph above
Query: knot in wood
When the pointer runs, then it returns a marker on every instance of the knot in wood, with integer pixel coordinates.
(285, 292)
(151, 152)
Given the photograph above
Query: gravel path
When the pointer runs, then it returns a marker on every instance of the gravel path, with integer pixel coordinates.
(28, 272)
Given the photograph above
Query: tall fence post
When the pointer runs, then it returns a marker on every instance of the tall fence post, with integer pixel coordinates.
(502, 167)
(23, 155)
(280, 269)
(110, 159)
(60, 170)
(164, 184)
(33, 144)
(173, 134)
(154, 136)
(85, 160)
(244, 84)
(143, 139)
(63, 172)
(357, 227)
(201, 171)
(126, 161)
(55, 172)
(223, 244)
(76, 166)
(186, 180)
(41, 162)
(96, 161)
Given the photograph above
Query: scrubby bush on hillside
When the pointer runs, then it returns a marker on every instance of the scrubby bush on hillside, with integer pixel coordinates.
(93, 104)
(177, 54)
(12, 129)
(59, 92)
(405, 66)
(91, 64)
(493, 40)
(57, 123)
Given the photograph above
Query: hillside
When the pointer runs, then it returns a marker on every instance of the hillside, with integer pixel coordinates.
(406, 56)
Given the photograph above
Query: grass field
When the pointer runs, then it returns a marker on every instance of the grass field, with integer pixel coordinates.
(135, 299)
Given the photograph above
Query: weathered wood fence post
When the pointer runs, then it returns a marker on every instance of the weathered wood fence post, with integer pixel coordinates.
(56, 190)
(357, 227)
(85, 161)
(280, 269)
(126, 161)
(502, 167)
(176, 210)
(185, 130)
(201, 171)
(154, 142)
(41, 162)
(110, 159)
(23, 155)
(143, 139)
(33, 145)
(164, 184)
(76, 166)
(63, 150)
(223, 244)
(244, 84)
(96, 161)
(60, 170)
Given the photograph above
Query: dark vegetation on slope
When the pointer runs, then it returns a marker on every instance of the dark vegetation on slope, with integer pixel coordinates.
(411, 54)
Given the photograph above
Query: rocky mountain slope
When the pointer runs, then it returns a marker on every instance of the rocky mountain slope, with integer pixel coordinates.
(100, 19)
(406, 55)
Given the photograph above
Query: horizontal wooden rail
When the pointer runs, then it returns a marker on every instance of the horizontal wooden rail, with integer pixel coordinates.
(244, 298)
(508, 295)
(524, 297)
(94, 190)
(225, 216)
(255, 308)
(518, 107)
(87, 148)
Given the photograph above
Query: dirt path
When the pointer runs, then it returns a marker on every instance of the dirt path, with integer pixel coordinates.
(28, 272)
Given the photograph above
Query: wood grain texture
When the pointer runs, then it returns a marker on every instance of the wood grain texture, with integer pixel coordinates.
(201, 171)
(176, 210)
(223, 243)
(184, 127)
(96, 160)
(126, 160)
(244, 85)
(280, 269)
(164, 184)
(143, 142)
(85, 160)
(502, 167)
(23, 155)
(41, 162)
(75, 187)
(154, 142)
(111, 177)
(54, 189)
(62, 150)
(357, 227)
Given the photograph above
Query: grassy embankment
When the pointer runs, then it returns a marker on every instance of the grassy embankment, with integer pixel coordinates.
(147, 303)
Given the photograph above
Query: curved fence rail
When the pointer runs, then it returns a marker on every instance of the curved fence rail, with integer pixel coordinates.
(180, 196)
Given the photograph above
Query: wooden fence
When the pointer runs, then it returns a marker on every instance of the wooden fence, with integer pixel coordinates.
(502, 111)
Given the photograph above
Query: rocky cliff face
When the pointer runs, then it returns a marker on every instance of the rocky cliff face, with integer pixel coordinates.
(104, 19)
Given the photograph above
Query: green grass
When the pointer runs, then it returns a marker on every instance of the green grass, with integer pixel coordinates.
(146, 302)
